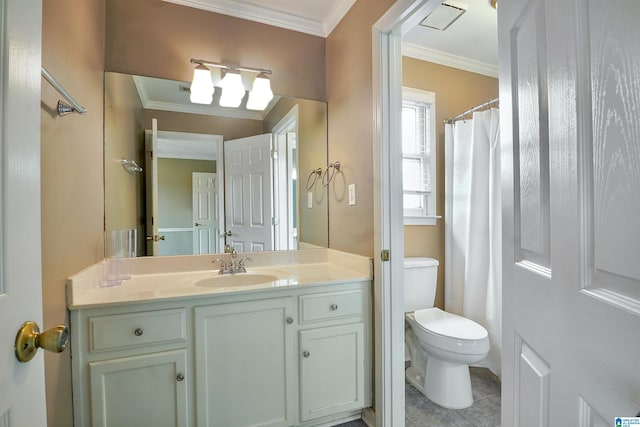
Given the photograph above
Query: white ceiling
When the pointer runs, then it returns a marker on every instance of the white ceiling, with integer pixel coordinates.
(470, 43)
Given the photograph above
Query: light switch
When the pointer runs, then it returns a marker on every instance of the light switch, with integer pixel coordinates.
(309, 199)
(352, 194)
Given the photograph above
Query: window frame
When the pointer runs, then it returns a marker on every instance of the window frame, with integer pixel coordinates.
(424, 97)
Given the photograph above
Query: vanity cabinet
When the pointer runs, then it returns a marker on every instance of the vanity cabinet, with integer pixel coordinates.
(331, 370)
(146, 390)
(331, 352)
(130, 366)
(243, 354)
(290, 356)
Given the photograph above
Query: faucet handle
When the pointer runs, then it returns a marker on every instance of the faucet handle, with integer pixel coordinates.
(222, 263)
(243, 260)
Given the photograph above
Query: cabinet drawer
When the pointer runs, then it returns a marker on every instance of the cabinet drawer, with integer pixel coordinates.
(330, 305)
(136, 329)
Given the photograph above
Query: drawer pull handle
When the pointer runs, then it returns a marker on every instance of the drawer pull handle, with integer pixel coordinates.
(138, 332)
(305, 354)
(334, 307)
(289, 320)
(180, 377)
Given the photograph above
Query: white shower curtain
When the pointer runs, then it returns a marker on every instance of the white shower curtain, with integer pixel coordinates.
(473, 245)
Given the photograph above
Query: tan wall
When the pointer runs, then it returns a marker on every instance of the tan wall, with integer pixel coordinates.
(71, 172)
(123, 139)
(349, 94)
(175, 190)
(456, 91)
(312, 153)
(156, 38)
(229, 128)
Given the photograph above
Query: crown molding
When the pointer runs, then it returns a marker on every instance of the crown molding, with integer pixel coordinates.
(336, 15)
(443, 58)
(207, 110)
(264, 15)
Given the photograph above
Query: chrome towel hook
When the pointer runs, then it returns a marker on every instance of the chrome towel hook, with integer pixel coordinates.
(315, 174)
(130, 165)
(327, 177)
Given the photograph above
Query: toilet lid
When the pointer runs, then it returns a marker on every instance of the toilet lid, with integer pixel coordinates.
(440, 322)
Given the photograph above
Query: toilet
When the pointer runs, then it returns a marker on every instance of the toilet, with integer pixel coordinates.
(441, 345)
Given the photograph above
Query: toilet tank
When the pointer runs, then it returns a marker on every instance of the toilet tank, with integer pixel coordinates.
(420, 282)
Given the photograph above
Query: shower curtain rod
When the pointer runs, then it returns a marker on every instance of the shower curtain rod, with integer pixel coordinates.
(474, 109)
(62, 107)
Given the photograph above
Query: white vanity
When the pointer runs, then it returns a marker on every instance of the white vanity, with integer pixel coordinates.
(288, 343)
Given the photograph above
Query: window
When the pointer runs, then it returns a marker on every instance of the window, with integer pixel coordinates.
(418, 157)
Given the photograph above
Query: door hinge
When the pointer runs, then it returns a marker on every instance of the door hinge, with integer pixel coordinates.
(384, 255)
(275, 220)
(274, 154)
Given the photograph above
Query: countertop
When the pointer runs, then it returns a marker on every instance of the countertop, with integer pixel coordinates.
(83, 290)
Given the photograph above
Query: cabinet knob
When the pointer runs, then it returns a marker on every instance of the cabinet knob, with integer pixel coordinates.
(334, 307)
(180, 377)
(138, 332)
(289, 320)
(305, 354)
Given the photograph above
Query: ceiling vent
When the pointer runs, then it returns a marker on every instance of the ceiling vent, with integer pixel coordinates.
(444, 15)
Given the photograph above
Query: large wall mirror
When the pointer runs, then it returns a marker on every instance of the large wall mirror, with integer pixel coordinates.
(192, 179)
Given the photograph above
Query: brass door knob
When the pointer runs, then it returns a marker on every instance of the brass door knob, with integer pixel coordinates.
(29, 339)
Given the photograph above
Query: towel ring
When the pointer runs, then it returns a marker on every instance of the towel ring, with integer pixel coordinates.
(316, 173)
(328, 177)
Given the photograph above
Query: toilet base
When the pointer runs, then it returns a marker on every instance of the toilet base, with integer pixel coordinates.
(415, 378)
(446, 384)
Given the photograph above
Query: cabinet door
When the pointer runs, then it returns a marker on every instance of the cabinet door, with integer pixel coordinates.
(243, 359)
(148, 390)
(331, 370)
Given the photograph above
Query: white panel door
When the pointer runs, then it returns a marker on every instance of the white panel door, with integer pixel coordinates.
(151, 169)
(248, 189)
(570, 114)
(22, 395)
(205, 212)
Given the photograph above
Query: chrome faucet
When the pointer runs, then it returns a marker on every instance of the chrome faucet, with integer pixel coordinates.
(232, 266)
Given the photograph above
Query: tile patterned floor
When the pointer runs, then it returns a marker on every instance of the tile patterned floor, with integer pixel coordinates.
(485, 412)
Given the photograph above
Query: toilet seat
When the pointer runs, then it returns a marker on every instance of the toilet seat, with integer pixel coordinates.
(450, 332)
(438, 322)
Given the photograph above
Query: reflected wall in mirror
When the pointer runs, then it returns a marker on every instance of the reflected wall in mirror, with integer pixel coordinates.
(217, 176)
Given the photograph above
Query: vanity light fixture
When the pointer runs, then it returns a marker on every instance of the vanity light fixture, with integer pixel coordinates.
(231, 84)
(202, 86)
(260, 94)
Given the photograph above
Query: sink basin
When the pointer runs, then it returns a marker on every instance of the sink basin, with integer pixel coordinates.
(240, 279)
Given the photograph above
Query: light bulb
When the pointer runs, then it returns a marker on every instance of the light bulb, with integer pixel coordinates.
(232, 89)
(202, 86)
(261, 93)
